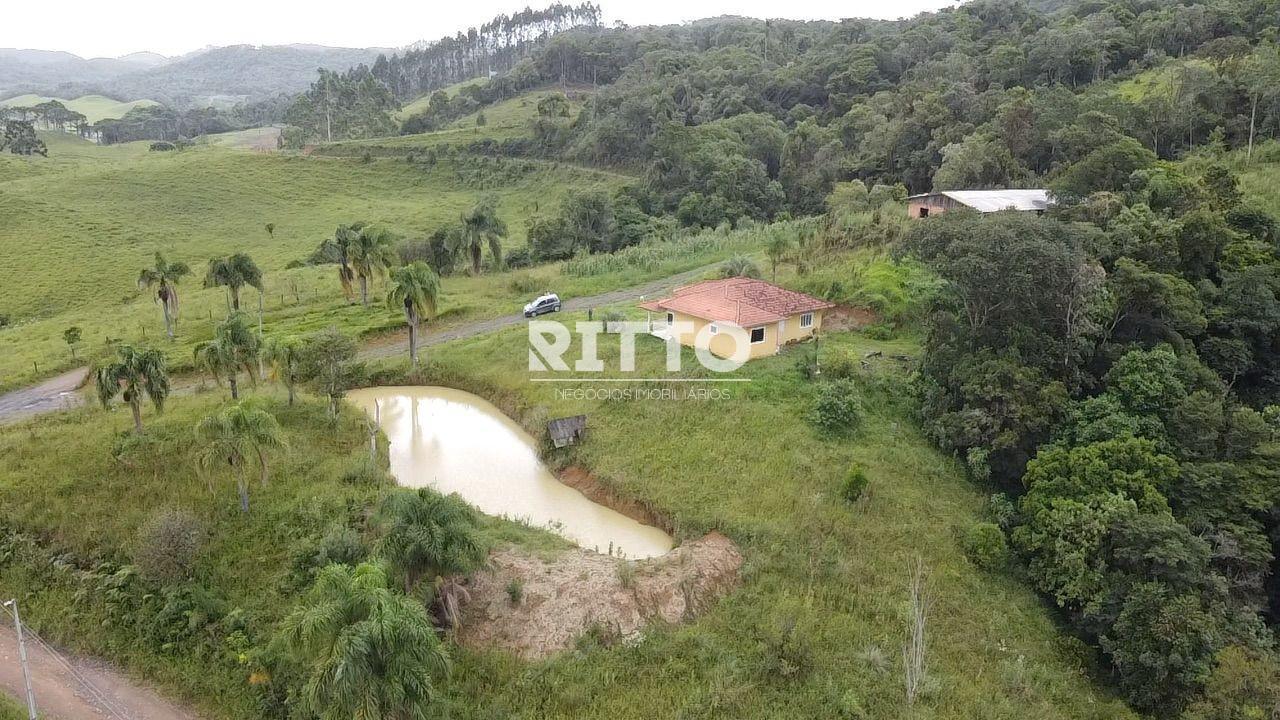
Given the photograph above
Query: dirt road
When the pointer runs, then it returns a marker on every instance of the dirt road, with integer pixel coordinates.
(56, 393)
(399, 343)
(62, 695)
(59, 393)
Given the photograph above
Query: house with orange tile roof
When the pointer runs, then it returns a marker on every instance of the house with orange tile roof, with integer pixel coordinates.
(772, 317)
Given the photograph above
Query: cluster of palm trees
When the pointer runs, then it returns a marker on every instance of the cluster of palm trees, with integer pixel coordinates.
(364, 252)
(369, 648)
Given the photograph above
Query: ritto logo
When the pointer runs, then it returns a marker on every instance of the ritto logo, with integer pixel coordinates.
(721, 347)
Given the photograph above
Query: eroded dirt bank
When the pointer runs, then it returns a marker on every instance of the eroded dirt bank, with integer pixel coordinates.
(558, 601)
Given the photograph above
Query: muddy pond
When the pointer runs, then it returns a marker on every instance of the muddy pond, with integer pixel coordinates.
(456, 442)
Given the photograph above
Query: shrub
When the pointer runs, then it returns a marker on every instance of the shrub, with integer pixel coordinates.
(340, 545)
(879, 331)
(854, 484)
(985, 546)
(168, 546)
(521, 257)
(839, 365)
(786, 656)
(364, 472)
(4, 320)
(515, 590)
(627, 574)
(837, 408)
(524, 283)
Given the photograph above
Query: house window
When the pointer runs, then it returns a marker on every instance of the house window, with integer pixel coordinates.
(671, 318)
(924, 212)
(757, 335)
(806, 320)
(714, 329)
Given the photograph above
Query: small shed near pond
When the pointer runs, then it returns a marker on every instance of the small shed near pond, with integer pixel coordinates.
(567, 430)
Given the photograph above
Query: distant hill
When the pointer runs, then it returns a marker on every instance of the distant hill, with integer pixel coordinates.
(45, 70)
(215, 76)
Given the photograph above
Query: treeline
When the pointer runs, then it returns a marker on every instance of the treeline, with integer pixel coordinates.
(742, 118)
(1113, 371)
(49, 115)
(149, 122)
(494, 47)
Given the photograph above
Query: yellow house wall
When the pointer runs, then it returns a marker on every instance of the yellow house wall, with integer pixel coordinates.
(722, 344)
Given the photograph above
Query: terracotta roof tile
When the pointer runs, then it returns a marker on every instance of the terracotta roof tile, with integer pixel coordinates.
(746, 301)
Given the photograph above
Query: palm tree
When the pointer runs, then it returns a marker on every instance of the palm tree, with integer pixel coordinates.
(338, 249)
(134, 373)
(415, 289)
(433, 537)
(165, 275)
(371, 253)
(235, 345)
(234, 273)
(481, 226)
(232, 436)
(739, 266)
(285, 356)
(777, 247)
(369, 652)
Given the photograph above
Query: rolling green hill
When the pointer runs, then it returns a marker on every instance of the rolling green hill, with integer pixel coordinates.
(93, 107)
(94, 216)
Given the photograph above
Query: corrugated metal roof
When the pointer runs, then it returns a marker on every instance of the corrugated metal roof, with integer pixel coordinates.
(997, 200)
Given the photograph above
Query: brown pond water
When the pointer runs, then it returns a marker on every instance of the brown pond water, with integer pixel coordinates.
(456, 442)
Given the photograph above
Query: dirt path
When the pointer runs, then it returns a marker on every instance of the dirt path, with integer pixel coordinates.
(60, 695)
(399, 343)
(57, 393)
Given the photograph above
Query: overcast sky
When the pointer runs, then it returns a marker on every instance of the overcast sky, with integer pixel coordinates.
(94, 29)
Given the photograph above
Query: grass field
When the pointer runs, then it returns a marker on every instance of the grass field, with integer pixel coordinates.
(247, 560)
(816, 630)
(93, 107)
(90, 218)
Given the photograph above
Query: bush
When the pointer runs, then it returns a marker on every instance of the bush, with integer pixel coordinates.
(364, 472)
(515, 590)
(340, 545)
(168, 546)
(854, 484)
(4, 320)
(524, 283)
(985, 546)
(837, 409)
(839, 365)
(521, 257)
(879, 331)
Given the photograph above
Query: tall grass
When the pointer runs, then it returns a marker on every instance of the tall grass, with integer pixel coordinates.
(659, 251)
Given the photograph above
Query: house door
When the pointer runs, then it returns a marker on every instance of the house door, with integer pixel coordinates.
(782, 330)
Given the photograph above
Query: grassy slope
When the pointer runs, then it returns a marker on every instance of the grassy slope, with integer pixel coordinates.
(503, 120)
(91, 217)
(95, 513)
(754, 469)
(422, 103)
(93, 107)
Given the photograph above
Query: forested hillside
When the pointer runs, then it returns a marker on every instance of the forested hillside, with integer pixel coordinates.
(992, 93)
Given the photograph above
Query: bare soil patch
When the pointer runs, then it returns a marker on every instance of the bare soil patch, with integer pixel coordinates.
(847, 317)
(581, 479)
(579, 591)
